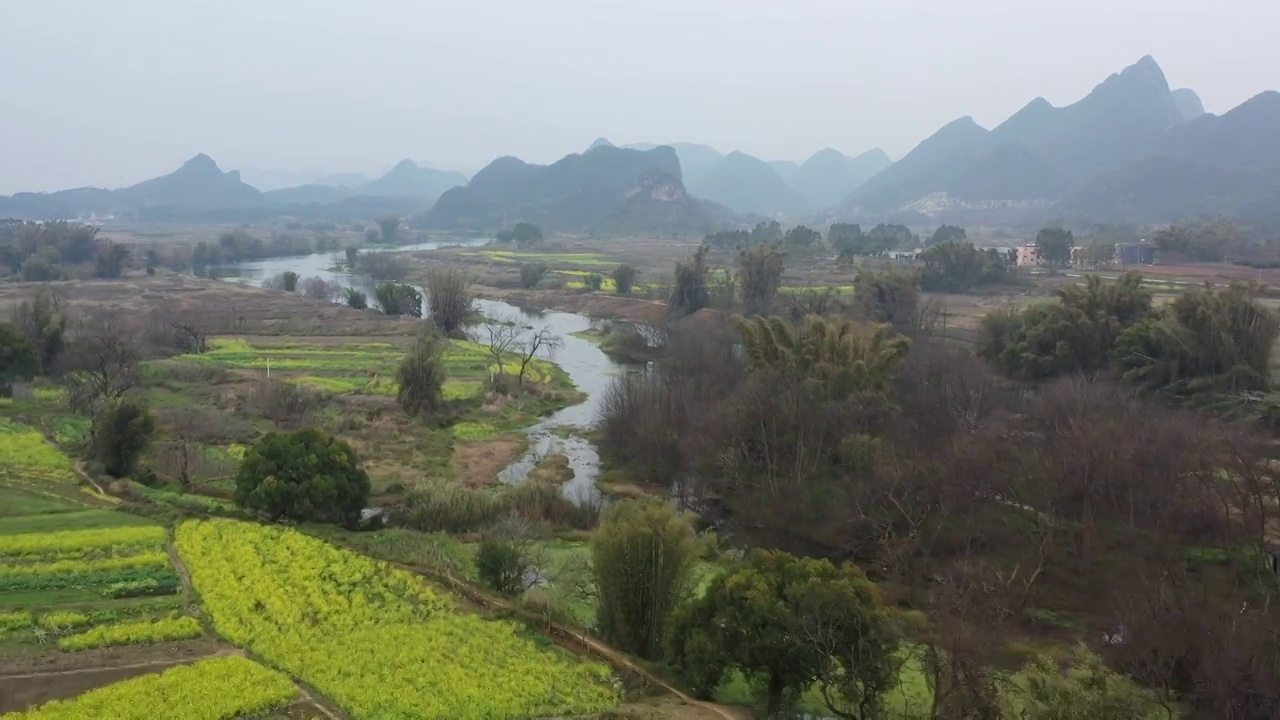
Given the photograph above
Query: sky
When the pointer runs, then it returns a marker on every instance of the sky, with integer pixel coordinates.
(111, 92)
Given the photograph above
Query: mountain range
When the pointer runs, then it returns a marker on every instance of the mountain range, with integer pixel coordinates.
(200, 190)
(1132, 150)
(605, 189)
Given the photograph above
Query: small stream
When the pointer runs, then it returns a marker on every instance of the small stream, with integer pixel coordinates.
(587, 366)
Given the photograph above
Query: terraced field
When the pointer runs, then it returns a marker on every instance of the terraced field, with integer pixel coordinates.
(376, 640)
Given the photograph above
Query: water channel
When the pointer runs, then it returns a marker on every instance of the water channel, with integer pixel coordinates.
(587, 366)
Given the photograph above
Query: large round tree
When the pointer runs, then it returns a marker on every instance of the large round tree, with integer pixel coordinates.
(303, 475)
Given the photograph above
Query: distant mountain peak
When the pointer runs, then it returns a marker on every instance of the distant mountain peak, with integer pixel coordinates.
(405, 164)
(600, 142)
(200, 163)
(1144, 73)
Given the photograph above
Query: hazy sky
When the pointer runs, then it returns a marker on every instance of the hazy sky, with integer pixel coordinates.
(104, 92)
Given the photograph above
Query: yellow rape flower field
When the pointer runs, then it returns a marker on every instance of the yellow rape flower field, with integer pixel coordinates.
(377, 641)
(202, 691)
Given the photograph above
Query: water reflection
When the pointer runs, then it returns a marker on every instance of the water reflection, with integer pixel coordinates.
(587, 366)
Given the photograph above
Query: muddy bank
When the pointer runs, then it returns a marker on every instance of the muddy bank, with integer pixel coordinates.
(594, 305)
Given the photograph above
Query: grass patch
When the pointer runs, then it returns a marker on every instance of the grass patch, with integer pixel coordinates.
(72, 520)
(468, 431)
(26, 455)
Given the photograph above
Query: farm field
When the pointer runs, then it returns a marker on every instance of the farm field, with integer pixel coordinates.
(377, 641)
(352, 389)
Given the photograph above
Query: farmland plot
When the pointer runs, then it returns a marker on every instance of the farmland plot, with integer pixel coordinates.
(377, 641)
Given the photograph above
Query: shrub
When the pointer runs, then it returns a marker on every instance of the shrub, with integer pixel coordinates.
(642, 555)
(122, 433)
(501, 566)
(624, 278)
(304, 475)
(421, 376)
(532, 273)
(448, 299)
(593, 281)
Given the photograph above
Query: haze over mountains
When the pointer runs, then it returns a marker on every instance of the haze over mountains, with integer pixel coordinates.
(1133, 150)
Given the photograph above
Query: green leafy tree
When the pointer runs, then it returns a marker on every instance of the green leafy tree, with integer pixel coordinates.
(766, 231)
(802, 238)
(642, 556)
(1212, 341)
(785, 623)
(593, 281)
(389, 225)
(624, 278)
(398, 299)
(1084, 688)
(1053, 245)
(959, 267)
(847, 239)
(122, 431)
(501, 565)
(421, 376)
(832, 354)
(946, 234)
(289, 281)
(353, 256)
(1077, 334)
(883, 238)
(526, 234)
(19, 359)
(690, 293)
(307, 475)
(760, 277)
(355, 298)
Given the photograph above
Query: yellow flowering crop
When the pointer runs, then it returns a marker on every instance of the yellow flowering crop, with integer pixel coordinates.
(71, 541)
(15, 620)
(374, 639)
(73, 566)
(133, 633)
(214, 689)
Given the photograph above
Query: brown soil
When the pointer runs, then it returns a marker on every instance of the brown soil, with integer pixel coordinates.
(222, 307)
(19, 692)
(16, 660)
(478, 463)
(553, 470)
(596, 305)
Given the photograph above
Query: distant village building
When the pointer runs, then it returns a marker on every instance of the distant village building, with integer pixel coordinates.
(1027, 255)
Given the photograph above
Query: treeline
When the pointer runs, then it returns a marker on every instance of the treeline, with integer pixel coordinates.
(1211, 347)
(241, 246)
(59, 251)
(997, 509)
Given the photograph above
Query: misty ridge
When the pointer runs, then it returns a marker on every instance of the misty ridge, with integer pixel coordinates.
(1133, 150)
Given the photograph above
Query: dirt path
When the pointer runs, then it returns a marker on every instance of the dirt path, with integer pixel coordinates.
(575, 639)
(128, 666)
(84, 475)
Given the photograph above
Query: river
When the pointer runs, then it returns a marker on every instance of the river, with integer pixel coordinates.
(587, 366)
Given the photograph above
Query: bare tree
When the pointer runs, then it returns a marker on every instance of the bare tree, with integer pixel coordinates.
(318, 288)
(103, 361)
(531, 343)
(505, 337)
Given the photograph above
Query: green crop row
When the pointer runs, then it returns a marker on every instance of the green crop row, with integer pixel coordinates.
(133, 633)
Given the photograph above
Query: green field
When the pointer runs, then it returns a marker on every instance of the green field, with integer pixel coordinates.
(365, 368)
(68, 567)
(522, 256)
